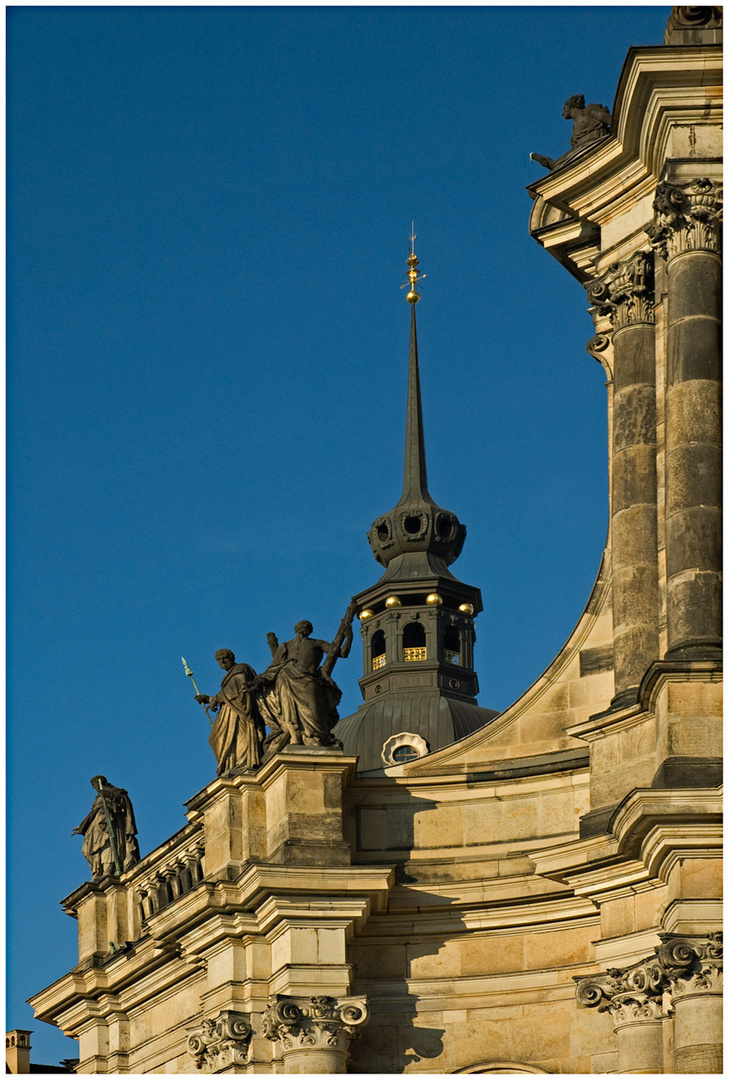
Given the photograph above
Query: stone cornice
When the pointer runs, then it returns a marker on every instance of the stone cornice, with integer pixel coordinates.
(660, 89)
(658, 674)
(648, 830)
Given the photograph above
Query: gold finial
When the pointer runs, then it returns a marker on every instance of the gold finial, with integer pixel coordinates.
(413, 273)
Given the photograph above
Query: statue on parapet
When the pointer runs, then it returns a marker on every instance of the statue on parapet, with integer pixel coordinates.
(237, 731)
(109, 831)
(590, 123)
(297, 696)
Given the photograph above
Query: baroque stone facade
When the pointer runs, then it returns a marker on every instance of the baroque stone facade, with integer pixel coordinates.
(543, 894)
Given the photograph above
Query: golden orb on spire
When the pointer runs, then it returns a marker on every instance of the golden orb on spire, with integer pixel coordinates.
(413, 273)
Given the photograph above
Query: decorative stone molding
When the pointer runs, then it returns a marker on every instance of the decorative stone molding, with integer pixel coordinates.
(680, 966)
(624, 294)
(221, 1042)
(631, 290)
(692, 964)
(691, 17)
(598, 345)
(687, 217)
(317, 1023)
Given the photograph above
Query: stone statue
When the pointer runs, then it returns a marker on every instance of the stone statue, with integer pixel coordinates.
(297, 697)
(109, 831)
(237, 732)
(590, 123)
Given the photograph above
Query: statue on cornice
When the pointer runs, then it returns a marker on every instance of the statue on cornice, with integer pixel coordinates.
(109, 830)
(590, 123)
(237, 732)
(297, 696)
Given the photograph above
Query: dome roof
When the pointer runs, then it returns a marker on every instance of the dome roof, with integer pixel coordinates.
(438, 719)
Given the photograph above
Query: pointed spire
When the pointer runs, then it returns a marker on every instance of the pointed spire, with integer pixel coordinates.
(417, 538)
(415, 486)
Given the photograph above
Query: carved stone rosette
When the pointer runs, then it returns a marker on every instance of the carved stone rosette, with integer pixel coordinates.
(221, 1042)
(317, 1023)
(687, 217)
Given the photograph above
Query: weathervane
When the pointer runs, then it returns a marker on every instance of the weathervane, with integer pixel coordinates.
(413, 273)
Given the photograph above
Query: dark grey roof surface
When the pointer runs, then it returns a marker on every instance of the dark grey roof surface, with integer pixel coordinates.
(438, 719)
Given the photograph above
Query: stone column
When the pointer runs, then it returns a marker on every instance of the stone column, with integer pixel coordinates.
(634, 997)
(315, 1032)
(686, 232)
(693, 968)
(626, 292)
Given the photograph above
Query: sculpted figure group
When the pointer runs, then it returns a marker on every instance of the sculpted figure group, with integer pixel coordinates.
(295, 698)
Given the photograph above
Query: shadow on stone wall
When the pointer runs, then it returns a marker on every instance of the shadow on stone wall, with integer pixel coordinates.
(401, 945)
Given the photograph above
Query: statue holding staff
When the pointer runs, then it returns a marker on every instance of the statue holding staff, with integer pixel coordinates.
(109, 831)
(297, 696)
(237, 731)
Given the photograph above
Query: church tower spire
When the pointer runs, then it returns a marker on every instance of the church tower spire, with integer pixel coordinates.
(417, 536)
(415, 485)
(419, 683)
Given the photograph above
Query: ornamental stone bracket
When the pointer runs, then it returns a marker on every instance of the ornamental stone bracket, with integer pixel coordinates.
(221, 1042)
(687, 217)
(318, 1027)
(599, 348)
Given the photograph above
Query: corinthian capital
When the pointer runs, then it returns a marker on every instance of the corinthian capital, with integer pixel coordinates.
(317, 1023)
(692, 964)
(630, 994)
(220, 1042)
(687, 217)
(625, 293)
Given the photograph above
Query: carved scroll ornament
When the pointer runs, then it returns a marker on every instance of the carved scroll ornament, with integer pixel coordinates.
(687, 217)
(680, 966)
(221, 1042)
(313, 1023)
(625, 292)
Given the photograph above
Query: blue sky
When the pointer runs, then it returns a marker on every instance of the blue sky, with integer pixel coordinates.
(208, 213)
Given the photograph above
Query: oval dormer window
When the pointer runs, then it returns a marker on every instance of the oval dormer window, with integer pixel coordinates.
(403, 747)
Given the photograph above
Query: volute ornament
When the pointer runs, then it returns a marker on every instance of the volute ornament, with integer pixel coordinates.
(624, 293)
(687, 217)
(221, 1041)
(692, 964)
(631, 291)
(316, 1023)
